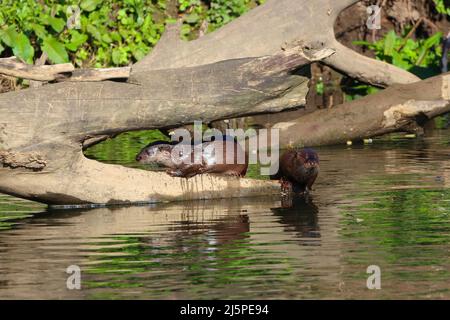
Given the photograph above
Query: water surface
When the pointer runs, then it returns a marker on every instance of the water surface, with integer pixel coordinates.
(385, 204)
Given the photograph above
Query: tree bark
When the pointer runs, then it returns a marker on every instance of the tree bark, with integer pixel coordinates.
(59, 72)
(397, 108)
(13, 67)
(267, 28)
(375, 72)
(42, 136)
(253, 65)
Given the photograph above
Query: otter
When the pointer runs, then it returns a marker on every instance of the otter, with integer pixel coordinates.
(298, 170)
(185, 160)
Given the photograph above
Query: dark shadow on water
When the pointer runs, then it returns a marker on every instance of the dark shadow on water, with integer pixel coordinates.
(384, 204)
(195, 244)
(299, 213)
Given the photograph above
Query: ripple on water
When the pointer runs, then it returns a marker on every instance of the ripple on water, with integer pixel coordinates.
(387, 204)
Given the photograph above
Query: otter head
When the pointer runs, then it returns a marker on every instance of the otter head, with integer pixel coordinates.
(309, 158)
(157, 152)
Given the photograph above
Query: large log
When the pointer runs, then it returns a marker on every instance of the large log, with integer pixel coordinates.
(42, 135)
(58, 72)
(252, 65)
(404, 108)
(13, 67)
(262, 32)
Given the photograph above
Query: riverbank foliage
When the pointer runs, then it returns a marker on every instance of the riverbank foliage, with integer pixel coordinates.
(104, 33)
(111, 33)
(419, 56)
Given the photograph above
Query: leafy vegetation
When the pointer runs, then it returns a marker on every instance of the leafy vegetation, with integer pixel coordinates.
(441, 7)
(213, 15)
(421, 56)
(97, 33)
(105, 33)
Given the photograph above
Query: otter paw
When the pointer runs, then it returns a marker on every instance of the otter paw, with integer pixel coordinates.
(233, 174)
(174, 173)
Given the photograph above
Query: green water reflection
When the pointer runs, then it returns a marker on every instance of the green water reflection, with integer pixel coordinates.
(386, 204)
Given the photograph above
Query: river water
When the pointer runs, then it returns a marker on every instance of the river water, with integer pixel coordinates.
(386, 204)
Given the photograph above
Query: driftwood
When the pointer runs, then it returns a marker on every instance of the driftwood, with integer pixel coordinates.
(58, 72)
(13, 67)
(267, 29)
(42, 137)
(404, 108)
(262, 32)
(256, 64)
(98, 74)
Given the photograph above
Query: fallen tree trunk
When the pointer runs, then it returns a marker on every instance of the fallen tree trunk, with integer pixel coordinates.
(398, 108)
(13, 67)
(43, 130)
(59, 72)
(42, 136)
(267, 28)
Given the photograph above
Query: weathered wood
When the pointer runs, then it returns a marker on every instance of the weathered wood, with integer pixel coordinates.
(58, 72)
(263, 31)
(39, 62)
(160, 98)
(13, 67)
(100, 74)
(42, 137)
(365, 69)
(86, 181)
(398, 108)
(225, 74)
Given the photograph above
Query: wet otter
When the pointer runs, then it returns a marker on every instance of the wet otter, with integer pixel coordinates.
(184, 160)
(298, 169)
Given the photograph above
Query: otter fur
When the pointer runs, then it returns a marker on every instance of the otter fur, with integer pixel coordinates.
(224, 157)
(298, 170)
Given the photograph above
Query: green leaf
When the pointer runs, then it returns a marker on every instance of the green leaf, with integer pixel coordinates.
(115, 36)
(23, 49)
(171, 20)
(116, 56)
(193, 18)
(120, 55)
(185, 30)
(39, 30)
(399, 61)
(19, 43)
(440, 7)
(139, 53)
(361, 43)
(77, 39)
(8, 36)
(89, 5)
(106, 38)
(434, 40)
(389, 43)
(1, 48)
(55, 50)
(429, 43)
(56, 23)
(94, 32)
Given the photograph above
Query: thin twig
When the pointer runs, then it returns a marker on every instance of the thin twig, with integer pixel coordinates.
(410, 33)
